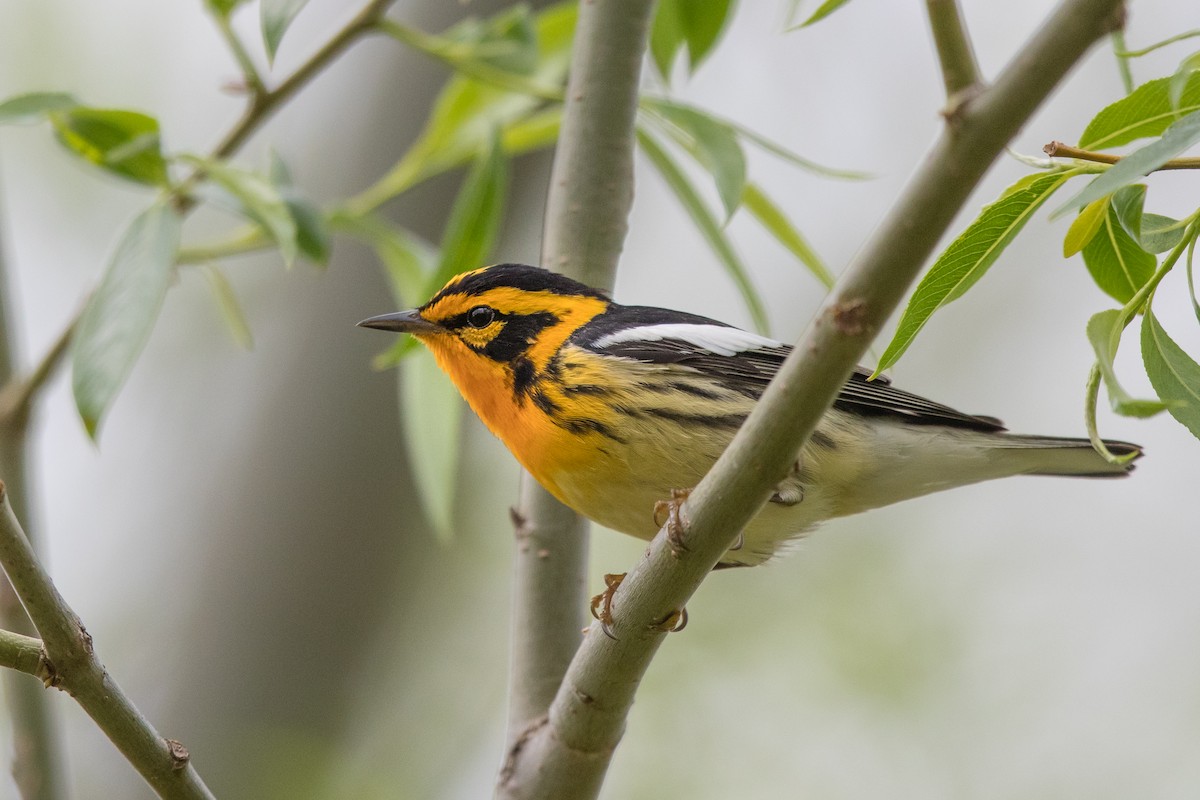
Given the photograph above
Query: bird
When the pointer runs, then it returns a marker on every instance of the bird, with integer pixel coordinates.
(616, 408)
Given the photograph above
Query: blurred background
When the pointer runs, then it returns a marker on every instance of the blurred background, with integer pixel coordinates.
(246, 545)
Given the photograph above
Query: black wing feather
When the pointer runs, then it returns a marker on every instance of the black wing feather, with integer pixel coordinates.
(750, 371)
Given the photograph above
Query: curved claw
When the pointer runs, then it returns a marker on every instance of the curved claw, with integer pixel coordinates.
(673, 623)
(666, 512)
(602, 604)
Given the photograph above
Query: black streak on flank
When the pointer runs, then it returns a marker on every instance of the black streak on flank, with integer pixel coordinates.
(590, 426)
(724, 421)
(543, 401)
(523, 377)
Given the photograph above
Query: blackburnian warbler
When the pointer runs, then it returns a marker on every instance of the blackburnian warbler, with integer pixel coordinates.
(613, 408)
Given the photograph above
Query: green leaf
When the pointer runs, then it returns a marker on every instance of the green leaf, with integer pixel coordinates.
(312, 238)
(970, 256)
(1191, 281)
(275, 16)
(231, 309)
(408, 259)
(1146, 112)
(1084, 227)
(34, 106)
(778, 225)
(120, 315)
(1179, 80)
(223, 8)
(507, 41)
(431, 416)
(475, 219)
(706, 223)
(703, 24)
(715, 145)
(1179, 136)
(1154, 233)
(125, 143)
(258, 200)
(790, 156)
(1116, 262)
(823, 11)
(534, 132)
(1104, 332)
(468, 111)
(666, 36)
(1172, 372)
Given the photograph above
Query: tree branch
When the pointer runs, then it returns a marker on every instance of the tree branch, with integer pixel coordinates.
(162, 762)
(1057, 149)
(960, 71)
(567, 755)
(587, 210)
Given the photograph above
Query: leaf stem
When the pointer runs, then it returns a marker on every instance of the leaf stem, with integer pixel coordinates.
(1057, 149)
(76, 669)
(1123, 53)
(960, 71)
(1122, 56)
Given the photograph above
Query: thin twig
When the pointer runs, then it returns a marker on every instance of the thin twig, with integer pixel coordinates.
(24, 654)
(586, 720)
(1059, 150)
(16, 398)
(960, 71)
(1122, 56)
(79, 672)
(252, 80)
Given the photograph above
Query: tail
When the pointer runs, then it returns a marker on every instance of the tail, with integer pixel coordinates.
(1052, 455)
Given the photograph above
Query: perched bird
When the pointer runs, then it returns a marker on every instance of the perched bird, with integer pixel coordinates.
(614, 408)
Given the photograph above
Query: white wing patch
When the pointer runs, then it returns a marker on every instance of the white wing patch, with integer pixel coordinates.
(714, 338)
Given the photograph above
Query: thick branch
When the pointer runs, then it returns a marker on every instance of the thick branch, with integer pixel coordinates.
(77, 670)
(960, 71)
(587, 717)
(591, 191)
(1059, 150)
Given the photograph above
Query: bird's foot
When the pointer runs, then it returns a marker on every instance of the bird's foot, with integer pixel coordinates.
(673, 622)
(602, 603)
(666, 512)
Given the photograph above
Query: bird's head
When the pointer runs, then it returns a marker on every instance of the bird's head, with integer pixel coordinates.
(509, 318)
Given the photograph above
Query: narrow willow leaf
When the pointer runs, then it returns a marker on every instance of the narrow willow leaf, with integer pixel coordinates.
(34, 106)
(120, 315)
(1104, 332)
(666, 36)
(790, 156)
(1116, 262)
(715, 145)
(223, 8)
(468, 111)
(475, 219)
(1191, 281)
(507, 41)
(1146, 112)
(772, 218)
(312, 238)
(970, 256)
(408, 259)
(275, 16)
(823, 11)
(534, 132)
(1128, 203)
(707, 223)
(1160, 233)
(431, 417)
(1154, 233)
(125, 143)
(258, 200)
(1179, 80)
(703, 23)
(1172, 372)
(231, 309)
(1085, 226)
(1178, 136)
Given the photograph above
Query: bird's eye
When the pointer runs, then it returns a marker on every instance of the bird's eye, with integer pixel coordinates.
(481, 316)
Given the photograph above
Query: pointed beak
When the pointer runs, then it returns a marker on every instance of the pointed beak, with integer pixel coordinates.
(401, 322)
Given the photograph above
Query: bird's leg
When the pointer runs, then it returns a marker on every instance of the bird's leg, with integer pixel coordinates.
(667, 512)
(602, 603)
